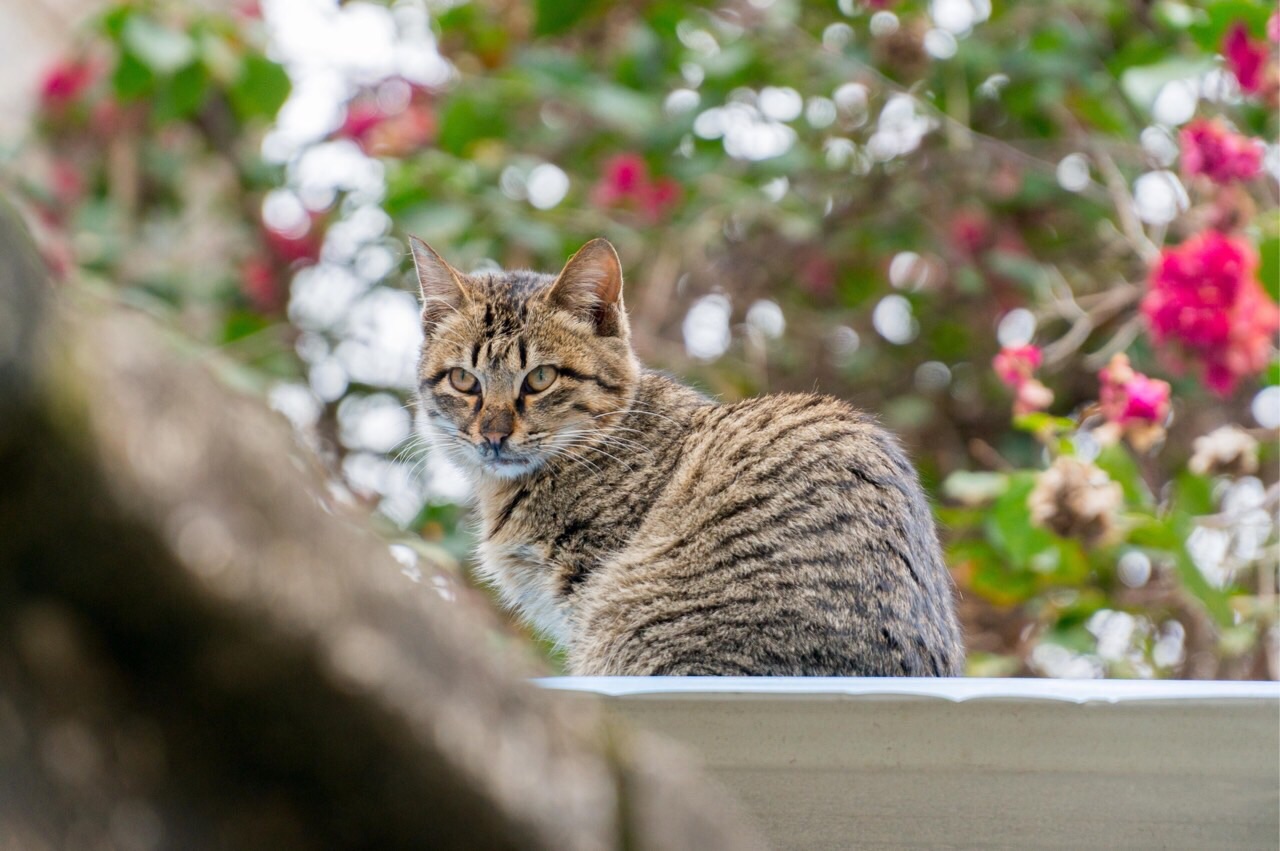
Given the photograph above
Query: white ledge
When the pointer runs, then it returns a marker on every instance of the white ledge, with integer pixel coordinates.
(975, 763)
(955, 690)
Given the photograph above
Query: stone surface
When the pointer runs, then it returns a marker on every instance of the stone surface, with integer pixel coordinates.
(197, 650)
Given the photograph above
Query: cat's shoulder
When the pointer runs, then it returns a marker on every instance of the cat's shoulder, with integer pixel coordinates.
(793, 408)
(817, 425)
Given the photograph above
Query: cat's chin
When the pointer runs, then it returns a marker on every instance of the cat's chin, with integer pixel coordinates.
(508, 468)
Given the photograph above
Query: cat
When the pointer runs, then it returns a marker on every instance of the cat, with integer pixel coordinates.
(649, 530)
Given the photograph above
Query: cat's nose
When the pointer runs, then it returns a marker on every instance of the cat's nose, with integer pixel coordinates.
(496, 427)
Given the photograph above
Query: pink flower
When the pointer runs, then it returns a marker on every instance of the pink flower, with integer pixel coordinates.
(626, 183)
(1246, 58)
(1128, 397)
(301, 247)
(395, 133)
(1209, 148)
(818, 274)
(362, 118)
(971, 232)
(66, 181)
(1204, 296)
(624, 175)
(65, 82)
(260, 285)
(1016, 364)
(1273, 27)
(1031, 396)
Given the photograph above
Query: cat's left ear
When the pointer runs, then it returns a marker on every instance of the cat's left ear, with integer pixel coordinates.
(590, 286)
(440, 284)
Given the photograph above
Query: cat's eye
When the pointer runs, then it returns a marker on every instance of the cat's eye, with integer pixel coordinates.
(463, 381)
(540, 378)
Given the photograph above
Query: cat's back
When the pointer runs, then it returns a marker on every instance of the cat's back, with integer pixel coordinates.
(793, 538)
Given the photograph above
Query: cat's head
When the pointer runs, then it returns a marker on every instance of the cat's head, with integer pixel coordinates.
(518, 367)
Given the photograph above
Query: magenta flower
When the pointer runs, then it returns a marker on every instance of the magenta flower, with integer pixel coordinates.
(362, 118)
(1209, 148)
(65, 82)
(1246, 57)
(1204, 298)
(626, 183)
(1128, 397)
(1016, 364)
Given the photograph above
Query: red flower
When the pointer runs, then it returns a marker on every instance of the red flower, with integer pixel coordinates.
(1209, 148)
(67, 182)
(259, 283)
(1016, 364)
(300, 248)
(1246, 58)
(250, 9)
(361, 118)
(626, 183)
(1204, 296)
(65, 82)
(390, 134)
(971, 232)
(624, 175)
(818, 275)
(1130, 398)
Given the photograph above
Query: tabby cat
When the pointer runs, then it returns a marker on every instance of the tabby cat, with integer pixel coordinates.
(650, 530)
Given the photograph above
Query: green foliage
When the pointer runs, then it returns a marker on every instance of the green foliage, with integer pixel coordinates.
(896, 191)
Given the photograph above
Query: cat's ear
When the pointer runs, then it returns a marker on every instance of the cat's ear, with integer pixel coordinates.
(440, 284)
(590, 286)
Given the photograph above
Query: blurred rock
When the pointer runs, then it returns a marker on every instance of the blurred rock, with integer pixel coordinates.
(197, 652)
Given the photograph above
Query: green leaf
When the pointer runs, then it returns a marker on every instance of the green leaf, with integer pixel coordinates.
(131, 79)
(1119, 464)
(159, 48)
(1193, 496)
(1009, 525)
(260, 90)
(553, 17)
(441, 224)
(182, 96)
(1142, 85)
(621, 108)
(1210, 28)
(973, 488)
(468, 117)
(1269, 267)
(1043, 424)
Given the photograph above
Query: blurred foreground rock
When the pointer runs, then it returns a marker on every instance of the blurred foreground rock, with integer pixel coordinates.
(196, 653)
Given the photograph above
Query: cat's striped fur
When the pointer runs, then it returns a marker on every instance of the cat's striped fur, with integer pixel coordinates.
(650, 530)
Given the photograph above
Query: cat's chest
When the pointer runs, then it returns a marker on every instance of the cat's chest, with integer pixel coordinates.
(524, 571)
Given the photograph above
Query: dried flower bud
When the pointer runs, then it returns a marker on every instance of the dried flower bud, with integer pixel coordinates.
(1075, 499)
(1227, 450)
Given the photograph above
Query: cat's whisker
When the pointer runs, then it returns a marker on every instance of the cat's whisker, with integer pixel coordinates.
(625, 411)
(564, 452)
(623, 443)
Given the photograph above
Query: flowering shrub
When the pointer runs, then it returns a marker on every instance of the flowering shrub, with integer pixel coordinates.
(1209, 148)
(970, 218)
(1205, 297)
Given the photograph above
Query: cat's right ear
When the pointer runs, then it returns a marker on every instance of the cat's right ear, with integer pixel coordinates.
(439, 283)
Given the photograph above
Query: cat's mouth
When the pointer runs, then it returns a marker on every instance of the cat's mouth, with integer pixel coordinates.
(507, 466)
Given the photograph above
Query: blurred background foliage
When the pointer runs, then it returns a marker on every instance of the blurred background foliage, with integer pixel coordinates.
(955, 214)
